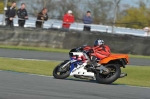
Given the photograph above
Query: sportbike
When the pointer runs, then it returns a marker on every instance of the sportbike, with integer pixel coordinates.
(79, 66)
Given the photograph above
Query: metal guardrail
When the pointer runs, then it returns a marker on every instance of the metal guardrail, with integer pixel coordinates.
(53, 23)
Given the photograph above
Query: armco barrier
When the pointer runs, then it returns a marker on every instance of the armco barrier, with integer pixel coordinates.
(70, 39)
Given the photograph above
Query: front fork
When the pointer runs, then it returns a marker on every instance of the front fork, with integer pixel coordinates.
(62, 68)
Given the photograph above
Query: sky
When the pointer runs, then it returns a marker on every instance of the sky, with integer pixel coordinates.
(131, 2)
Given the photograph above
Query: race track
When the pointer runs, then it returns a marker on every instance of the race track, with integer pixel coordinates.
(24, 86)
(9, 53)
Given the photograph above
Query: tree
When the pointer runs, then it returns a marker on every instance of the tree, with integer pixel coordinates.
(101, 10)
(38, 5)
(56, 8)
(74, 5)
(135, 17)
(1, 6)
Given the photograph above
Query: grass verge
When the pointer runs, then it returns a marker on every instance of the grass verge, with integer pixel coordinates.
(28, 66)
(54, 50)
(137, 75)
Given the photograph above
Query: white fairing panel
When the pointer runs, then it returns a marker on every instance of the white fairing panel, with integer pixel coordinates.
(79, 70)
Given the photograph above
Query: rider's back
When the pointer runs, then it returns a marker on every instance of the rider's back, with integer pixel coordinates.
(101, 51)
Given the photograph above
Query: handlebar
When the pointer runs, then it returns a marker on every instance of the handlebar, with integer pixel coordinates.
(79, 49)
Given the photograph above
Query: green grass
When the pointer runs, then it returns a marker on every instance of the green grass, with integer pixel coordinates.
(137, 75)
(28, 66)
(139, 56)
(54, 50)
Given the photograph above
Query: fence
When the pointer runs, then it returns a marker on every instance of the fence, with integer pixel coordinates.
(54, 23)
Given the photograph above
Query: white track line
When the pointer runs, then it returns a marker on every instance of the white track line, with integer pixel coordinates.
(31, 59)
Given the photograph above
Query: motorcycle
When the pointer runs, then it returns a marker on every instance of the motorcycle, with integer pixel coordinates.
(80, 66)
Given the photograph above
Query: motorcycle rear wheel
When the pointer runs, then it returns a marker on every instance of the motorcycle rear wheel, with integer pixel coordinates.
(109, 78)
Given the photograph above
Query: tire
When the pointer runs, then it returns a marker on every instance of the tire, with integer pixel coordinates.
(65, 73)
(101, 78)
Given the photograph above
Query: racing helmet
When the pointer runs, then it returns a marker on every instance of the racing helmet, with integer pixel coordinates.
(98, 42)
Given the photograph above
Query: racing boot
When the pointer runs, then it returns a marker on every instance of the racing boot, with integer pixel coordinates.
(94, 61)
(91, 64)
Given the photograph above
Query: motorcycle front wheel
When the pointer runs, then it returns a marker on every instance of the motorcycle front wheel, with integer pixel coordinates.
(62, 73)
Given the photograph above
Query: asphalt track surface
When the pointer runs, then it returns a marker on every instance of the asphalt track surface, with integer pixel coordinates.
(10, 53)
(24, 86)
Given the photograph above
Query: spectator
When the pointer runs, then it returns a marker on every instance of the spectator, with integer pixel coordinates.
(68, 18)
(10, 14)
(42, 16)
(22, 15)
(147, 31)
(87, 19)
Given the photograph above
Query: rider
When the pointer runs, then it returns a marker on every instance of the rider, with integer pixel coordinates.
(99, 50)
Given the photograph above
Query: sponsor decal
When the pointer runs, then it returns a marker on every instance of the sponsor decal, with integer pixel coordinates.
(79, 66)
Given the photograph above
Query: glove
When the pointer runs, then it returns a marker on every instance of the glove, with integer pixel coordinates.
(84, 51)
(79, 49)
(91, 51)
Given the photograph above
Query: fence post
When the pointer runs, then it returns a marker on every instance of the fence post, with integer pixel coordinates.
(5, 8)
(115, 15)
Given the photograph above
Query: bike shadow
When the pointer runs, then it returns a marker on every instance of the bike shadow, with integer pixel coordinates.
(90, 81)
(81, 80)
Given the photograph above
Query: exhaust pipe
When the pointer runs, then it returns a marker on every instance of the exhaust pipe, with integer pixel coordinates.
(123, 75)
